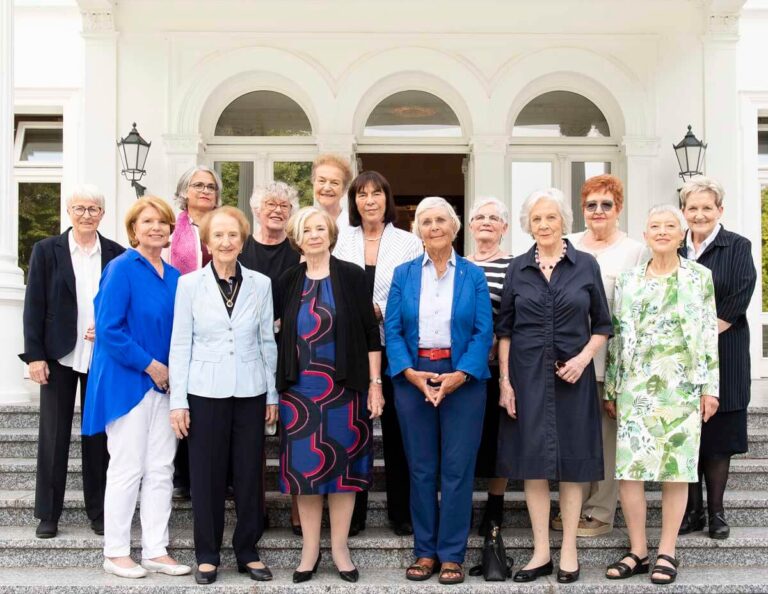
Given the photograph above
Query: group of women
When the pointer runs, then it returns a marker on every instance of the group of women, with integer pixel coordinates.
(588, 358)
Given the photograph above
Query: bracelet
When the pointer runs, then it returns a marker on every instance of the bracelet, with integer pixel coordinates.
(375, 380)
(503, 378)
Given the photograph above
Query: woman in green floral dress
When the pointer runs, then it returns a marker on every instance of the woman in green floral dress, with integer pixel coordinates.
(661, 383)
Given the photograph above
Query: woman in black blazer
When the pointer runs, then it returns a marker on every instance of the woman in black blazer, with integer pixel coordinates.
(729, 257)
(329, 379)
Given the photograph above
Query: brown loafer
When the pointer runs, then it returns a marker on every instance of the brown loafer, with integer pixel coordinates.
(421, 569)
(451, 573)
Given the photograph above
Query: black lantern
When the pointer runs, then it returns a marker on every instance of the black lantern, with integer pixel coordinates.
(133, 151)
(690, 155)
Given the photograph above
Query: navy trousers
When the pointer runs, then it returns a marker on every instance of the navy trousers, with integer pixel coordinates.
(441, 446)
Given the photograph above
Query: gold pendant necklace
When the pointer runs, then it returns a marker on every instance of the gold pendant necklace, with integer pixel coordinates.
(229, 301)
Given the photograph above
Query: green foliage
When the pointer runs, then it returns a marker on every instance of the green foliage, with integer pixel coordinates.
(764, 197)
(39, 217)
(297, 174)
(230, 179)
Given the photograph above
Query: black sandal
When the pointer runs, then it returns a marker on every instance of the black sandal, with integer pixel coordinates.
(421, 569)
(670, 572)
(625, 571)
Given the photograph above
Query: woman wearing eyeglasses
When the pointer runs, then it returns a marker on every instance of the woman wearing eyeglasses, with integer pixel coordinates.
(602, 198)
(197, 193)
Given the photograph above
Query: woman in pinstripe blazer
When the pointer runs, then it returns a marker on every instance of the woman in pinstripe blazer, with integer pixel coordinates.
(729, 257)
(374, 243)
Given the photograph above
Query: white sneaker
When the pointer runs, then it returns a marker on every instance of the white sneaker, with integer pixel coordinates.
(165, 568)
(137, 571)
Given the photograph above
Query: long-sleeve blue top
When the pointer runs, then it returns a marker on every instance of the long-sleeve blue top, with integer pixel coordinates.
(134, 319)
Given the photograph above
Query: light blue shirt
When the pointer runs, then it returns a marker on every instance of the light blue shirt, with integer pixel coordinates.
(435, 302)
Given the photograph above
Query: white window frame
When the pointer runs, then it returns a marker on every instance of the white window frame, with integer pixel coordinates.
(21, 131)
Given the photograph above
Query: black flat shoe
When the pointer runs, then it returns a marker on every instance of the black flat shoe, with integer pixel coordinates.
(305, 576)
(98, 526)
(718, 527)
(567, 577)
(181, 494)
(349, 576)
(402, 528)
(355, 528)
(47, 529)
(532, 574)
(296, 529)
(262, 574)
(206, 577)
(693, 521)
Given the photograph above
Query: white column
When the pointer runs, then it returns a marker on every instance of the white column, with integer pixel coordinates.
(344, 145)
(640, 193)
(100, 133)
(488, 177)
(12, 387)
(721, 102)
(182, 152)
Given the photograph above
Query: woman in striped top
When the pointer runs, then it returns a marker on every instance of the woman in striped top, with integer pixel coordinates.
(488, 224)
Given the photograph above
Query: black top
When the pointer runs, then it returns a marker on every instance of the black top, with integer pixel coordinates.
(50, 303)
(495, 271)
(270, 260)
(357, 331)
(229, 288)
(729, 257)
(370, 276)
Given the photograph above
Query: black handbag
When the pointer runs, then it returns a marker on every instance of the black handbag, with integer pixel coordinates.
(495, 565)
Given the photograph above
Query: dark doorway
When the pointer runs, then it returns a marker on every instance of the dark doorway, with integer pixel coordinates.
(414, 176)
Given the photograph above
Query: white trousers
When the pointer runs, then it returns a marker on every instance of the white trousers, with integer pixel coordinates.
(141, 448)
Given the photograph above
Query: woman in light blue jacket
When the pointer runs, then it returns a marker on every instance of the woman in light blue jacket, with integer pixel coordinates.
(222, 374)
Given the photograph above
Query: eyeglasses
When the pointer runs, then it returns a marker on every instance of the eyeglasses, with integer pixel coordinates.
(605, 206)
(79, 211)
(481, 218)
(201, 187)
(272, 205)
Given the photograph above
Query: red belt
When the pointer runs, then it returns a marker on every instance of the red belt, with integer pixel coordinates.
(435, 354)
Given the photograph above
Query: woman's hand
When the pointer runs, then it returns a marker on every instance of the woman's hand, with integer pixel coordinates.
(90, 333)
(180, 422)
(159, 374)
(722, 326)
(493, 354)
(270, 414)
(450, 382)
(377, 311)
(709, 406)
(419, 379)
(39, 372)
(375, 400)
(507, 398)
(573, 368)
(610, 408)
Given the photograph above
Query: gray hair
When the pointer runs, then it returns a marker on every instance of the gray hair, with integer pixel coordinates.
(186, 179)
(670, 208)
(501, 208)
(701, 183)
(554, 195)
(86, 192)
(276, 189)
(435, 202)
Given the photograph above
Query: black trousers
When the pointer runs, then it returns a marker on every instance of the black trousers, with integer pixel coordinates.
(57, 406)
(181, 466)
(395, 463)
(224, 432)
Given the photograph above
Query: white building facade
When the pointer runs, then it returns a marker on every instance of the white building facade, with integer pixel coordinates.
(448, 97)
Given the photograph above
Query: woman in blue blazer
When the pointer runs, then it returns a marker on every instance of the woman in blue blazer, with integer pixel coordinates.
(222, 368)
(439, 333)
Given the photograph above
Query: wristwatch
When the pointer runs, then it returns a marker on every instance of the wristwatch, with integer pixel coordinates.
(376, 380)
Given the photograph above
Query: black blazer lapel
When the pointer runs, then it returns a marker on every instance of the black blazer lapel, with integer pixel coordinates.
(64, 261)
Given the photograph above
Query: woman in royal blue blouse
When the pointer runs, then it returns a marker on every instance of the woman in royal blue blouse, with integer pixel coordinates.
(127, 392)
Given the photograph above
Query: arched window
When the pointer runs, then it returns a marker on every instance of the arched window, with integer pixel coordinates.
(263, 113)
(560, 114)
(413, 114)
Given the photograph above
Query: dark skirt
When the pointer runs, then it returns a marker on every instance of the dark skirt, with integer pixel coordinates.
(486, 455)
(725, 434)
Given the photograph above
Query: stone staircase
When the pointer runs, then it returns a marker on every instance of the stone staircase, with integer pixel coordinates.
(71, 562)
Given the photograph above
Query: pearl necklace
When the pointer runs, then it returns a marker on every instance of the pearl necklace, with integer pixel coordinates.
(544, 268)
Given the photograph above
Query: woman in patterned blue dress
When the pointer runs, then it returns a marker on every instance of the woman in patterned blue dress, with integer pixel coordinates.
(328, 375)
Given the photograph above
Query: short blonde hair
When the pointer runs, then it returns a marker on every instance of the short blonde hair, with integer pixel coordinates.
(205, 224)
(160, 205)
(337, 161)
(295, 227)
(701, 183)
(435, 202)
(553, 195)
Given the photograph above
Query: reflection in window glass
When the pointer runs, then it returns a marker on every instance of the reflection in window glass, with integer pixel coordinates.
(561, 114)
(237, 184)
(413, 113)
(762, 146)
(297, 174)
(527, 176)
(764, 202)
(39, 217)
(580, 172)
(42, 145)
(263, 113)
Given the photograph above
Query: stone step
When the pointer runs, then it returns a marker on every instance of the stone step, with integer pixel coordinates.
(374, 548)
(90, 580)
(19, 474)
(743, 508)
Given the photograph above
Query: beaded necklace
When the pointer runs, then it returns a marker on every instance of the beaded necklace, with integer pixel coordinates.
(544, 268)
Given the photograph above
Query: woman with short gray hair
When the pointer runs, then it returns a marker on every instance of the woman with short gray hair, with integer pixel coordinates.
(553, 319)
